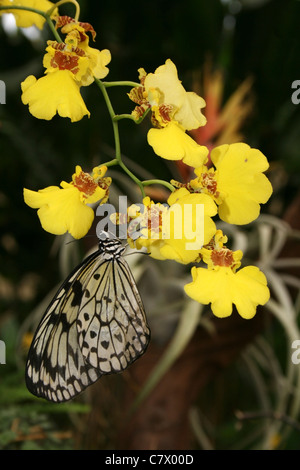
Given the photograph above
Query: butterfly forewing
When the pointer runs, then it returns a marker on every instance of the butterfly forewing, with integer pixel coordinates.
(95, 325)
(116, 333)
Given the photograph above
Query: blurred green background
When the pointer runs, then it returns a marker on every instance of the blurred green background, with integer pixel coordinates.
(244, 38)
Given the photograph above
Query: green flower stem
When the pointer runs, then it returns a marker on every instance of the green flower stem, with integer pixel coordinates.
(112, 115)
(118, 117)
(134, 178)
(110, 163)
(117, 136)
(38, 12)
(53, 30)
(121, 83)
(162, 182)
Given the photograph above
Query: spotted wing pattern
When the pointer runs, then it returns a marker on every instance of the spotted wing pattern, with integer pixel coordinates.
(95, 325)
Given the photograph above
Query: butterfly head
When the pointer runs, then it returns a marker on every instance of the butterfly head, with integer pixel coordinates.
(109, 245)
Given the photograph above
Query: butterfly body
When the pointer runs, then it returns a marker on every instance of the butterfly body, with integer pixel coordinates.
(95, 325)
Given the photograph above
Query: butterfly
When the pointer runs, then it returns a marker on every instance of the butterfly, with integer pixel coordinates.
(95, 325)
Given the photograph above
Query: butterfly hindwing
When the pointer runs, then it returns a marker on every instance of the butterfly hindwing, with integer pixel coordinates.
(95, 325)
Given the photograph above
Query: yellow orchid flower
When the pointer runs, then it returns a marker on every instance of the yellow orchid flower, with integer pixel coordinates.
(223, 285)
(185, 107)
(174, 111)
(69, 66)
(176, 230)
(237, 183)
(65, 209)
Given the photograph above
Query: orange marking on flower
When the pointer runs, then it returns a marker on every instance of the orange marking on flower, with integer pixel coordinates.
(88, 27)
(154, 215)
(178, 185)
(137, 95)
(223, 257)
(78, 51)
(210, 245)
(85, 184)
(165, 112)
(150, 219)
(65, 62)
(63, 20)
(139, 111)
(58, 46)
(187, 186)
(209, 182)
(61, 46)
(104, 183)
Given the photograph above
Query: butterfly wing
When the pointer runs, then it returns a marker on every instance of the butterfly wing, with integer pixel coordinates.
(56, 368)
(117, 333)
(95, 325)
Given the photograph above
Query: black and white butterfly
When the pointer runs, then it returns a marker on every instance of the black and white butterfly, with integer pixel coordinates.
(95, 325)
